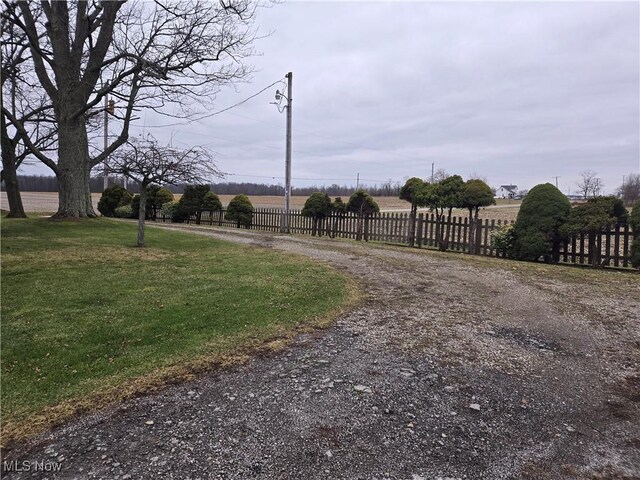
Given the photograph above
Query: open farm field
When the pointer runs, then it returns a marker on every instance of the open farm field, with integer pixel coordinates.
(47, 202)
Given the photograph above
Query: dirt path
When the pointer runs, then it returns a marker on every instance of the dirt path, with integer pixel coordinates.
(450, 369)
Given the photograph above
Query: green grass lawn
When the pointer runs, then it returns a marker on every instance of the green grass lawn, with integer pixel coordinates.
(87, 318)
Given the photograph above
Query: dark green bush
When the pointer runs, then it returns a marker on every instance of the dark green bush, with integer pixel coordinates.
(363, 205)
(318, 207)
(537, 229)
(475, 194)
(211, 202)
(113, 197)
(125, 211)
(240, 210)
(410, 193)
(194, 200)
(338, 206)
(160, 196)
(156, 197)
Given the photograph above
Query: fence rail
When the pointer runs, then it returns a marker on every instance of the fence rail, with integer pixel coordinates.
(608, 248)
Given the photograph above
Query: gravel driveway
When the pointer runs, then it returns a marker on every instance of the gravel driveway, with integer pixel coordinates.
(450, 369)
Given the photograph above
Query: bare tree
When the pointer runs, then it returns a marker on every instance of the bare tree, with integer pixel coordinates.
(163, 56)
(147, 163)
(598, 185)
(24, 103)
(629, 191)
(590, 185)
(439, 175)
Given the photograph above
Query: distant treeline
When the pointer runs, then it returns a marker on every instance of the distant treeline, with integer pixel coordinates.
(41, 183)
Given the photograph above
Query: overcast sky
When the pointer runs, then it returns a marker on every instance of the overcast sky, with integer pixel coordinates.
(517, 92)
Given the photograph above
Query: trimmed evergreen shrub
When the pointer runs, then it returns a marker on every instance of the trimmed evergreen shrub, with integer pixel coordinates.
(338, 206)
(156, 197)
(125, 211)
(113, 197)
(211, 202)
(410, 193)
(537, 229)
(169, 209)
(240, 210)
(476, 194)
(363, 205)
(191, 202)
(317, 206)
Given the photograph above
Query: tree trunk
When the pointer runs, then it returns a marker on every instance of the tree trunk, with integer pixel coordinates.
(10, 174)
(444, 242)
(142, 213)
(74, 171)
(359, 228)
(10, 178)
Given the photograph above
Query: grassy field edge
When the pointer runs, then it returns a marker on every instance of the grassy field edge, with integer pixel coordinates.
(237, 350)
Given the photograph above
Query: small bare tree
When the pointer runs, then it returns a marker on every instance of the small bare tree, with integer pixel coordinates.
(147, 163)
(590, 185)
(629, 191)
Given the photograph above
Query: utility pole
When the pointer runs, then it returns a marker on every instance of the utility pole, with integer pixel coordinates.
(433, 164)
(556, 177)
(357, 180)
(287, 187)
(106, 140)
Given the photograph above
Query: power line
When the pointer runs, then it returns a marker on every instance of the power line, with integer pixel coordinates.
(275, 177)
(209, 115)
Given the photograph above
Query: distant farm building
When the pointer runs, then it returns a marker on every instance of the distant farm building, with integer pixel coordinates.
(507, 191)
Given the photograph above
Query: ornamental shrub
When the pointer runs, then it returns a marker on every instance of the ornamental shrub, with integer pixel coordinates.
(318, 206)
(195, 198)
(211, 202)
(537, 229)
(156, 197)
(125, 211)
(113, 197)
(363, 205)
(169, 209)
(502, 240)
(240, 210)
(410, 193)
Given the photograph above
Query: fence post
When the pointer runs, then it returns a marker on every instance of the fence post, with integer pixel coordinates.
(625, 248)
(419, 229)
(478, 235)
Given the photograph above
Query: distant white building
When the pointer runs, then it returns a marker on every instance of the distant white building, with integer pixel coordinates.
(507, 191)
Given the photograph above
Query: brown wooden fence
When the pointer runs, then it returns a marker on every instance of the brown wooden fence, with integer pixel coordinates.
(610, 247)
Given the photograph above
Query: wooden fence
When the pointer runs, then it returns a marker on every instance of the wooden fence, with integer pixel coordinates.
(609, 248)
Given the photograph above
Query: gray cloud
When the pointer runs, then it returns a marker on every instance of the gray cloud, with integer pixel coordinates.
(517, 92)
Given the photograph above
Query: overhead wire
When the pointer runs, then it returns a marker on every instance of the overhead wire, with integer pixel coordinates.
(209, 115)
